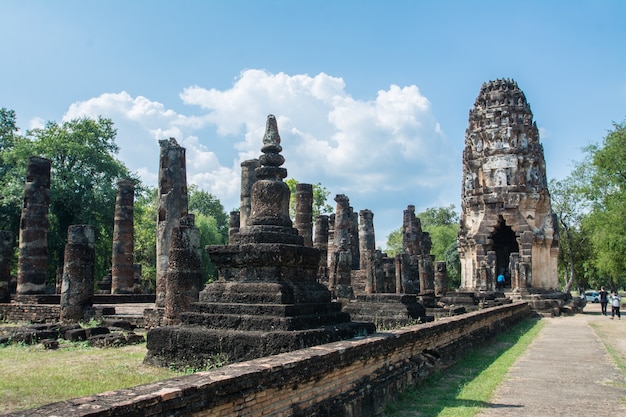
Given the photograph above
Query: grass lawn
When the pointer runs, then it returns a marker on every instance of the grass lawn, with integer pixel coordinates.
(33, 376)
(466, 387)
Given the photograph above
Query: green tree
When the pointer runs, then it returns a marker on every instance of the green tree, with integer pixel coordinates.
(202, 202)
(145, 226)
(83, 186)
(606, 221)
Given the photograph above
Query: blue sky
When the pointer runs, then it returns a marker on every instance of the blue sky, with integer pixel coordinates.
(371, 97)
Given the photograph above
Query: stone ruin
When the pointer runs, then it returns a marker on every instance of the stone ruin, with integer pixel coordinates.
(507, 225)
(267, 299)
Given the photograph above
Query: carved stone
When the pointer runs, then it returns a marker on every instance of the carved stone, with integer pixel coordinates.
(248, 178)
(507, 224)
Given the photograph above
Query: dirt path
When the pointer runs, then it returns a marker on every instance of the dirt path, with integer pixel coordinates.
(567, 371)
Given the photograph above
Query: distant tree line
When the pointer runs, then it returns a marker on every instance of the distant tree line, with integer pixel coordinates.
(84, 175)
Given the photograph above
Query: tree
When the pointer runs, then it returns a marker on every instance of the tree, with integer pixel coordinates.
(145, 226)
(606, 222)
(83, 188)
(202, 202)
(569, 205)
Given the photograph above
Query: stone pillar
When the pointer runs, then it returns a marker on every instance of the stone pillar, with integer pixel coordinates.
(330, 261)
(248, 178)
(173, 204)
(342, 270)
(184, 276)
(441, 278)
(367, 243)
(304, 212)
(411, 232)
(122, 268)
(354, 240)
(233, 225)
(78, 272)
(426, 274)
(33, 234)
(6, 256)
(321, 243)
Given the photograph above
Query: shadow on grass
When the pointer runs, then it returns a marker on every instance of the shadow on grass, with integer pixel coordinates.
(466, 387)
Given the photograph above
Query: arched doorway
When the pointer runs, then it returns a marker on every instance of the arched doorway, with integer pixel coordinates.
(504, 243)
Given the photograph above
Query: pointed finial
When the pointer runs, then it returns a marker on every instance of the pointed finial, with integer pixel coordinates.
(271, 138)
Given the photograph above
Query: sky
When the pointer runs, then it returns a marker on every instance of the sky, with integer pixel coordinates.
(371, 97)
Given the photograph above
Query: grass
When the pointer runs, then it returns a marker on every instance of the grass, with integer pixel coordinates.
(609, 341)
(466, 387)
(74, 370)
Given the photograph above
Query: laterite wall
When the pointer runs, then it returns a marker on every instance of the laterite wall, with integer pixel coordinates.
(348, 378)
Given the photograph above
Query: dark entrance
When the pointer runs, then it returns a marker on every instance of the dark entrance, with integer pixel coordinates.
(504, 243)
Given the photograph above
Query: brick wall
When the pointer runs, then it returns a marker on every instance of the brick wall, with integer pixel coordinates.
(33, 313)
(348, 378)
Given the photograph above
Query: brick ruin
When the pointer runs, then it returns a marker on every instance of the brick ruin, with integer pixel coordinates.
(6, 255)
(507, 225)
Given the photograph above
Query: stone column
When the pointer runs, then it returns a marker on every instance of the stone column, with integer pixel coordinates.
(173, 204)
(426, 274)
(122, 268)
(78, 272)
(233, 225)
(367, 243)
(304, 212)
(33, 234)
(354, 240)
(6, 256)
(441, 278)
(343, 254)
(321, 243)
(184, 277)
(330, 261)
(411, 232)
(248, 178)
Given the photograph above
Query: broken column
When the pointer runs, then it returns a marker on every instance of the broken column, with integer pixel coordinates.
(33, 234)
(248, 178)
(6, 256)
(184, 276)
(122, 268)
(304, 212)
(172, 205)
(78, 272)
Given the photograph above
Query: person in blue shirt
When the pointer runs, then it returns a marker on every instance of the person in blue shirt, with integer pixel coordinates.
(500, 282)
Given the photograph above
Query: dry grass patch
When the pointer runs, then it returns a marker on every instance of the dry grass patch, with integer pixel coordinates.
(33, 376)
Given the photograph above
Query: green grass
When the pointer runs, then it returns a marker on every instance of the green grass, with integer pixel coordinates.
(466, 387)
(33, 376)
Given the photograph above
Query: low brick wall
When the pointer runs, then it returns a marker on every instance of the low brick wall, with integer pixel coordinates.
(348, 378)
(33, 313)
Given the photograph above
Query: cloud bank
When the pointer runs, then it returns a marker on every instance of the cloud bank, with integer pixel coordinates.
(383, 153)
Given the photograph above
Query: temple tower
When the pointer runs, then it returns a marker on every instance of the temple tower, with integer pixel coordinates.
(33, 234)
(507, 224)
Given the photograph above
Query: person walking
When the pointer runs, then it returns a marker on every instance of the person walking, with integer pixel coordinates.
(616, 302)
(604, 300)
(500, 282)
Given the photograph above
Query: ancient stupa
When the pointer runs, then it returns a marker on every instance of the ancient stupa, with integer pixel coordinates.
(507, 225)
(267, 299)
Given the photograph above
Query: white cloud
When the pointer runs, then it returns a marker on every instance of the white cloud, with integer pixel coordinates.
(384, 153)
